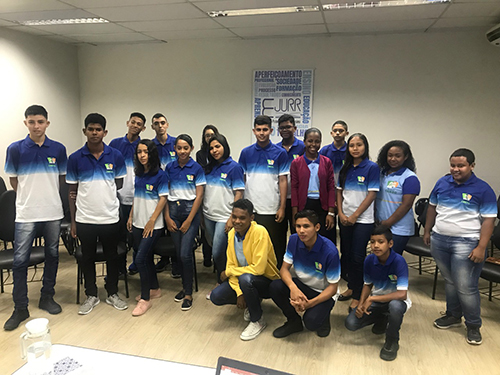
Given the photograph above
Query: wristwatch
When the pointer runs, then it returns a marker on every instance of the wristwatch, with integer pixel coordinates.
(331, 214)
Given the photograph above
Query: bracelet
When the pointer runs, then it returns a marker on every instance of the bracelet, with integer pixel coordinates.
(331, 214)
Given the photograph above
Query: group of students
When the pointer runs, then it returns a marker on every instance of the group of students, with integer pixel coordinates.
(291, 183)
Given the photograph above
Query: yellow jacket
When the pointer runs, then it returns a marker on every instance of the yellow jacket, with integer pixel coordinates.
(259, 253)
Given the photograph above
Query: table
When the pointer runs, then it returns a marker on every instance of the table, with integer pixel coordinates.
(99, 362)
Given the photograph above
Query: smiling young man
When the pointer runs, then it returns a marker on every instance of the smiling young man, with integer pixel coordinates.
(251, 266)
(36, 166)
(461, 215)
(309, 287)
(266, 169)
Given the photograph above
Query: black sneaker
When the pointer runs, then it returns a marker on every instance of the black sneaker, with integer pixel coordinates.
(380, 326)
(474, 336)
(186, 304)
(325, 328)
(162, 264)
(48, 304)
(175, 275)
(132, 272)
(389, 351)
(179, 297)
(288, 328)
(448, 321)
(16, 318)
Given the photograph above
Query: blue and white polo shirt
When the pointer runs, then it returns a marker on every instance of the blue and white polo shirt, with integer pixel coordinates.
(147, 193)
(297, 149)
(318, 267)
(262, 167)
(387, 278)
(390, 196)
(359, 181)
(184, 180)
(37, 169)
(96, 201)
(127, 148)
(222, 182)
(336, 155)
(460, 207)
(167, 151)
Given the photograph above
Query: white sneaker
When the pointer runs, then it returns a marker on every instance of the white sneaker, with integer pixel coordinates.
(116, 302)
(88, 305)
(246, 315)
(253, 330)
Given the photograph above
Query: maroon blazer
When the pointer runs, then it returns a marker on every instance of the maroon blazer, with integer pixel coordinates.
(299, 175)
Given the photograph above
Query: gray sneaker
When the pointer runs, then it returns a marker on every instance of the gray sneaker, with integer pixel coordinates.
(116, 302)
(88, 305)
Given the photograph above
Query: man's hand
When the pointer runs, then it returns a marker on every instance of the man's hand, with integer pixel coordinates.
(427, 239)
(296, 295)
(73, 230)
(185, 226)
(280, 215)
(240, 302)
(223, 276)
(228, 226)
(129, 224)
(329, 222)
(171, 226)
(477, 255)
(148, 229)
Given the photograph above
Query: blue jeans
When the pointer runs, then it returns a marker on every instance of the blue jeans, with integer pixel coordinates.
(399, 243)
(184, 242)
(353, 242)
(217, 237)
(393, 311)
(144, 260)
(24, 236)
(461, 276)
(254, 288)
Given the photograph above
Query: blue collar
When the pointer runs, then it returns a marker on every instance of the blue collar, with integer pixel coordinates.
(86, 151)
(472, 179)
(343, 148)
(132, 143)
(227, 161)
(31, 143)
(389, 260)
(362, 164)
(241, 238)
(258, 148)
(316, 247)
(399, 172)
(316, 161)
(190, 163)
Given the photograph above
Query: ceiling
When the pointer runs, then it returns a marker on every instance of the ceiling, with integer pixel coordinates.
(143, 21)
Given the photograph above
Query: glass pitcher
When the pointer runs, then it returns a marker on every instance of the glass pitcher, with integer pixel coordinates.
(36, 346)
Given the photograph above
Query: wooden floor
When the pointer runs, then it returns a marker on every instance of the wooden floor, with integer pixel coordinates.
(204, 333)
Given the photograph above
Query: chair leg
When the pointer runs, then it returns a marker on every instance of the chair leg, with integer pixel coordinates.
(125, 277)
(490, 291)
(78, 281)
(419, 265)
(435, 283)
(195, 273)
(1, 280)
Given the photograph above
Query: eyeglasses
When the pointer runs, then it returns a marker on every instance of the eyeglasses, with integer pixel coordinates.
(159, 122)
(288, 127)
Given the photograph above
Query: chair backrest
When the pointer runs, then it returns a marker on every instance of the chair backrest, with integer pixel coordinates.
(7, 215)
(421, 210)
(3, 187)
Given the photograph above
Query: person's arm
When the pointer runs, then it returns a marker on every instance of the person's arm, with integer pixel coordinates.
(326, 294)
(340, 202)
(72, 192)
(365, 293)
(283, 187)
(238, 194)
(330, 219)
(370, 197)
(130, 219)
(295, 293)
(14, 182)
(401, 211)
(478, 254)
(171, 226)
(196, 206)
(150, 225)
(430, 220)
(119, 183)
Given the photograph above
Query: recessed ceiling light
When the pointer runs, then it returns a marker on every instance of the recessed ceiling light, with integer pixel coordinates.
(380, 4)
(68, 21)
(261, 11)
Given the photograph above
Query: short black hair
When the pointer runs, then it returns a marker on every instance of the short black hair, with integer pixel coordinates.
(382, 230)
(34, 110)
(158, 115)
(312, 130)
(244, 204)
(286, 117)
(340, 122)
(138, 114)
(466, 153)
(95, 118)
(309, 215)
(262, 120)
(186, 138)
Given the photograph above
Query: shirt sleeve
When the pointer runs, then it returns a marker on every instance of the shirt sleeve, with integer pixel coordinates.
(292, 245)
(374, 178)
(237, 180)
(283, 164)
(12, 161)
(242, 161)
(163, 184)
(411, 185)
(200, 179)
(120, 168)
(433, 198)
(72, 170)
(366, 272)
(333, 268)
(402, 274)
(62, 161)
(488, 207)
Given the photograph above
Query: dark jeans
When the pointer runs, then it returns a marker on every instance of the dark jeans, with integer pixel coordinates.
(313, 317)
(206, 248)
(184, 242)
(394, 311)
(253, 287)
(399, 243)
(108, 236)
(289, 216)
(353, 242)
(24, 236)
(277, 233)
(144, 260)
(126, 236)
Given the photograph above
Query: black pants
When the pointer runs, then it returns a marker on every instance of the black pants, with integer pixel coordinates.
(107, 235)
(277, 232)
(289, 216)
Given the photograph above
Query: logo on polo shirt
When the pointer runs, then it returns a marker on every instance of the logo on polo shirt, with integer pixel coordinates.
(361, 179)
(466, 197)
(172, 153)
(223, 176)
(270, 163)
(109, 167)
(319, 266)
(392, 184)
(190, 177)
(52, 161)
(393, 278)
(149, 187)
(295, 156)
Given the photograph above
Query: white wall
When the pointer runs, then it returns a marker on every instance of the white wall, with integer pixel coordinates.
(35, 70)
(437, 91)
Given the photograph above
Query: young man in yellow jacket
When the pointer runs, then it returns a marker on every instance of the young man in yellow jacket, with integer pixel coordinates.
(251, 266)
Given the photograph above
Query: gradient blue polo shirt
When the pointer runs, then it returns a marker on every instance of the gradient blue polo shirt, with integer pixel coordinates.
(127, 148)
(460, 207)
(390, 196)
(147, 193)
(97, 200)
(387, 278)
(336, 155)
(37, 169)
(167, 151)
(359, 181)
(184, 180)
(298, 148)
(262, 167)
(318, 267)
(222, 182)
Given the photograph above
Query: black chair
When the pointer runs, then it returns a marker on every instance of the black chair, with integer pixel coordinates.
(416, 245)
(491, 271)
(66, 238)
(3, 187)
(100, 258)
(7, 230)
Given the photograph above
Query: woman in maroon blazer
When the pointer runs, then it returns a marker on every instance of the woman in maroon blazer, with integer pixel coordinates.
(313, 185)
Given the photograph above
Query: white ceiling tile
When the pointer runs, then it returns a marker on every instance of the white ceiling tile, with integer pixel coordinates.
(392, 13)
(47, 15)
(192, 34)
(268, 31)
(166, 25)
(11, 6)
(482, 9)
(149, 12)
(30, 30)
(63, 39)
(112, 38)
(118, 3)
(380, 27)
(477, 1)
(465, 22)
(250, 4)
(7, 23)
(83, 29)
(306, 18)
